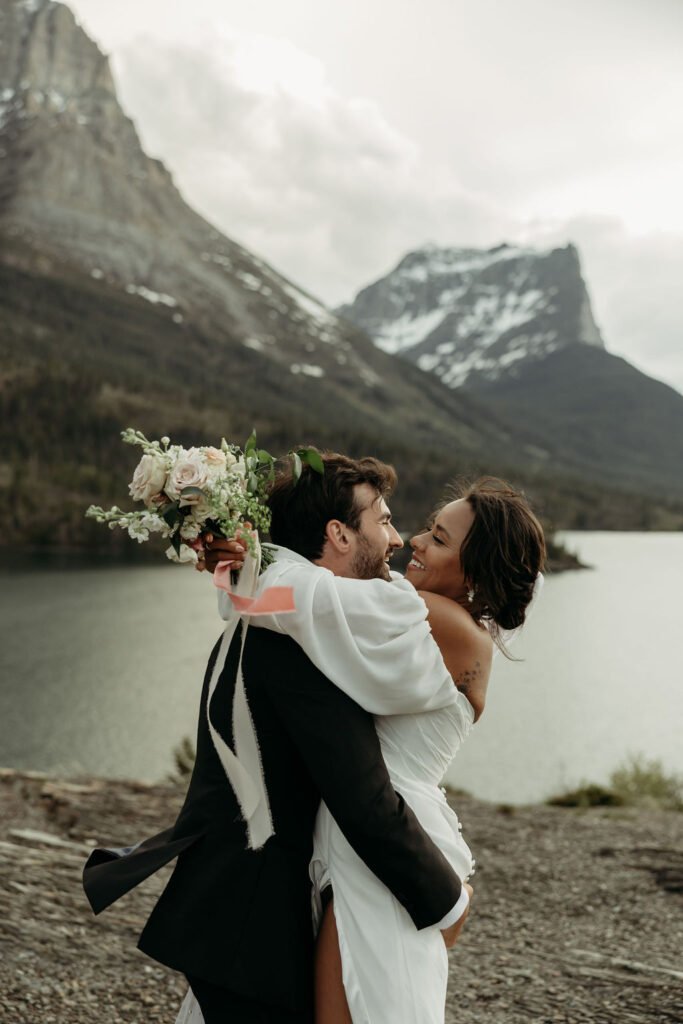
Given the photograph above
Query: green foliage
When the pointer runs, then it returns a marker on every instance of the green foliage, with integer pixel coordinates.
(642, 783)
(308, 455)
(636, 783)
(588, 795)
(184, 756)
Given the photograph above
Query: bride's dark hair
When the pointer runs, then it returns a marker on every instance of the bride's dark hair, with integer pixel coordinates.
(502, 553)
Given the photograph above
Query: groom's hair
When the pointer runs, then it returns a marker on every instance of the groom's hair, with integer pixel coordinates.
(300, 511)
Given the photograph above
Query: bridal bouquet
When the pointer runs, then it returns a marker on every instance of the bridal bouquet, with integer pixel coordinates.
(188, 492)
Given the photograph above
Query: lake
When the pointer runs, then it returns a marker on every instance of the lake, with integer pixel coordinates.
(102, 668)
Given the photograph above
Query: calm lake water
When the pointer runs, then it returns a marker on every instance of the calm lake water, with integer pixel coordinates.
(101, 670)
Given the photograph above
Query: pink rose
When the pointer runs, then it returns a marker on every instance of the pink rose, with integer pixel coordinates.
(189, 471)
(215, 458)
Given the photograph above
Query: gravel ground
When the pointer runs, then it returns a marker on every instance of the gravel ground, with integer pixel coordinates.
(577, 916)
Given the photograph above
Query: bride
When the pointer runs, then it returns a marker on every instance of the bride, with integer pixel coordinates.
(476, 568)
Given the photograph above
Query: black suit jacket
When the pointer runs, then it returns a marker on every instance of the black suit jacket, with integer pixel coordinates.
(241, 918)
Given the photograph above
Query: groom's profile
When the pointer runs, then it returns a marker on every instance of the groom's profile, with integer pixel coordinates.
(237, 920)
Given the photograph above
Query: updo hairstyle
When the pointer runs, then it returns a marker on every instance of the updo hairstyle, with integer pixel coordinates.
(502, 553)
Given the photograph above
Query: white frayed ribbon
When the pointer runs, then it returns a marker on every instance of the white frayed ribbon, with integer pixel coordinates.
(243, 766)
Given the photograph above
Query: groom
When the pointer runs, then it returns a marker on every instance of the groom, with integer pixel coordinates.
(236, 921)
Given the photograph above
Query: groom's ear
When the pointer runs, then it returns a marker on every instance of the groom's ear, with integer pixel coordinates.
(338, 536)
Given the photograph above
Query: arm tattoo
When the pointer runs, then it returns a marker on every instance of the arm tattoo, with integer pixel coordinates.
(468, 678)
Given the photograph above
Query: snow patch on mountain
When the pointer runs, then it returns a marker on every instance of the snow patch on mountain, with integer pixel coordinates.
(495, 313)
(310, 306)
(433, 261)
(156, 298)
(408, 330)
(308, 369)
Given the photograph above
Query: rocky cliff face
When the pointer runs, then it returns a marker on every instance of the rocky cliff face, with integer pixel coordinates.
(77, 187)
(472, 315)
(69, 152)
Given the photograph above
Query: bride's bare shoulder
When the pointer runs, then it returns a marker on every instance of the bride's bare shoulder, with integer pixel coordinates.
(465, 645)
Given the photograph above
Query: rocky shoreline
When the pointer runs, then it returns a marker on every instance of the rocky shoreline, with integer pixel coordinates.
(577, 916)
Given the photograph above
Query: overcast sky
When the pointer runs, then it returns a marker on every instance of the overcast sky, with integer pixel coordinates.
(333, 136)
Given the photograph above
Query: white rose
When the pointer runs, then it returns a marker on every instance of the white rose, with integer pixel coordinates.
(148, 479)
(189, 471)
(185, 554)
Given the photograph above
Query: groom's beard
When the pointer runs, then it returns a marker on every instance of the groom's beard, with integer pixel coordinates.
(369, 564)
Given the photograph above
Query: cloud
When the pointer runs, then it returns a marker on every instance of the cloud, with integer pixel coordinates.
(332, 194)
(569, 108)
(320, 184)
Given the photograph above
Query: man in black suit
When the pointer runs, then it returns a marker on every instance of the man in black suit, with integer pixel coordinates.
(237, 921)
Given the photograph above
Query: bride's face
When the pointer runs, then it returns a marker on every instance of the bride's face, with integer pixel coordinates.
(435, 565)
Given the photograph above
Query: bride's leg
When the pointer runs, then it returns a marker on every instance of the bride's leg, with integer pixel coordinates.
(330, 999)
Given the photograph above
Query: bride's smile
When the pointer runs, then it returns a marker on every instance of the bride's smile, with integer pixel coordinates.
(436, 552)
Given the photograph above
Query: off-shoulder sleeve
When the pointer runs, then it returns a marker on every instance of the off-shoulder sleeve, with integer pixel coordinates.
(370, 637)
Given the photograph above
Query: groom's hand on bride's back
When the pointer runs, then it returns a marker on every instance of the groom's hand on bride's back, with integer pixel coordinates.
(452, 934)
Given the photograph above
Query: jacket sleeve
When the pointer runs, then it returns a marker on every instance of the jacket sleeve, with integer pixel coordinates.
(337, 740)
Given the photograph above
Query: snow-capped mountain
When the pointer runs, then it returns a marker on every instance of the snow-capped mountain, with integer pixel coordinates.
(471, 315)
(513, 326)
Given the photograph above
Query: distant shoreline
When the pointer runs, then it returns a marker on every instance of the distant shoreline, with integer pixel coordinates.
(33, 557)
(561, 559)
(127, 553)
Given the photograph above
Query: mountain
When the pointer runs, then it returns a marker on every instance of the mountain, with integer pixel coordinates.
(120, 306)
(77, 189)
(472, 315)
(514, 326)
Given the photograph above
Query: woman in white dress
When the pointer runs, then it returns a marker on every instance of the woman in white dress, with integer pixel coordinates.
(475, 569)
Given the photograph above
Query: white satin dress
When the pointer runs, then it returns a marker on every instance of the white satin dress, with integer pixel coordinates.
(393, 973)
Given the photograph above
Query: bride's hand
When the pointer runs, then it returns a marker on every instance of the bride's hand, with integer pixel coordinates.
(218, 550)
(452, 934)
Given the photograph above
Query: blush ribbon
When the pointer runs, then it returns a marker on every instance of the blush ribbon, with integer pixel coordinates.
(272, 601)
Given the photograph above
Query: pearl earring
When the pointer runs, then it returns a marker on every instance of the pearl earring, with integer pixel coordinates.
(470, 596)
